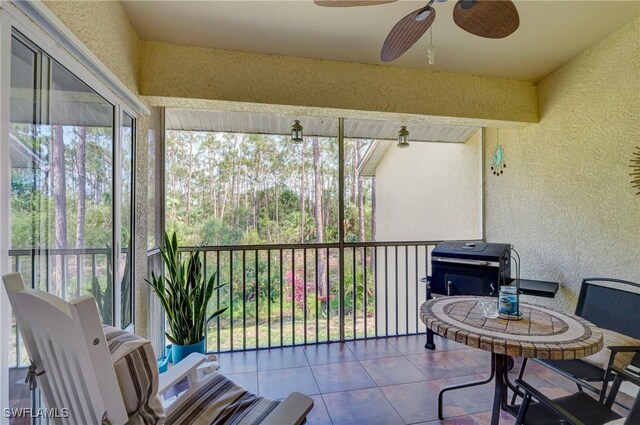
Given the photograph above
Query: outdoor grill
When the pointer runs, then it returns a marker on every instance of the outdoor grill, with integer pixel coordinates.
(470, 268)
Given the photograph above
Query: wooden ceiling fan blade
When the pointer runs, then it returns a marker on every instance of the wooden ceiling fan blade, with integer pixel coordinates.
(405, 34)
(351, 3)
(487, 18)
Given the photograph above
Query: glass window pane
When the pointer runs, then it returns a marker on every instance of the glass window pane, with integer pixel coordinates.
(79, 190)
(61, 174)
(126, 190)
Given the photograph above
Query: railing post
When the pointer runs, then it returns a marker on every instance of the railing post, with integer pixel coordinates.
(244, 299)
(78, 275)
(316, 277)
(231, 300)
(257, 297)
(269, 298)
(364, 300)
(281, 299)
(304, 292)
(341, 224)
(218, 299)
(328, 296)
(355, 299)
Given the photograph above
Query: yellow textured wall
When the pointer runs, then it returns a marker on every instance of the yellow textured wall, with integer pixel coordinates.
(565, 199)
(198, 73)
(104, 27)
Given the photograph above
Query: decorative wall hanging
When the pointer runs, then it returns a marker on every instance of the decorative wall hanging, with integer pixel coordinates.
(635, 170)
(497, 159)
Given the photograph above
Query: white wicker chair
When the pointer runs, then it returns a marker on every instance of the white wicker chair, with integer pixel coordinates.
(108, 376)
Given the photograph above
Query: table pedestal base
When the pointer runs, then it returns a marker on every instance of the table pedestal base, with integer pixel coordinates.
(500, 375)
(430, 344)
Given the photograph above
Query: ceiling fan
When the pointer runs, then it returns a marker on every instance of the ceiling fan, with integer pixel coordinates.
(484, 18)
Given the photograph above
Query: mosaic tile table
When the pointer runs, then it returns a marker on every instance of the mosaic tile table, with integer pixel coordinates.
(541, 333)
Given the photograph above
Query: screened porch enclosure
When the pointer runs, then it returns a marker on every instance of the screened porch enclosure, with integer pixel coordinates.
(311, 239)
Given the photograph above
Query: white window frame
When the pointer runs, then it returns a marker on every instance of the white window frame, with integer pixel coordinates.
(36, 22)
(120, 111)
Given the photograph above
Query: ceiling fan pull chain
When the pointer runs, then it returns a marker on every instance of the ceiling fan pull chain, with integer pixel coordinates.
(431, 51)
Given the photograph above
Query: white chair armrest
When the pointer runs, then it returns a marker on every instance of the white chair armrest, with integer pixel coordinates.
(293, 410)
(187, 367)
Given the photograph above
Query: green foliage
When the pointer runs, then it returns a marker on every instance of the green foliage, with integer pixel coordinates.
(359, 291)
(184, 293)
(103, 294)
(103, 297)
(216, 232)
(289, 201)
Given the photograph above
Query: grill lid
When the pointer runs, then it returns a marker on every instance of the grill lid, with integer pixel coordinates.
(471, 250)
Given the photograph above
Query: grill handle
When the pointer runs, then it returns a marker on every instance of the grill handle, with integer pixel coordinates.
(467, 262)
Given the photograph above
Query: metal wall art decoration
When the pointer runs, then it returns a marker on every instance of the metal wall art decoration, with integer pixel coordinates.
(497, 159)
(635, 169)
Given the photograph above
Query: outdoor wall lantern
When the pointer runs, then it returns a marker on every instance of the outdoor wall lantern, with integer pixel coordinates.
(296, 133)
(403, 137)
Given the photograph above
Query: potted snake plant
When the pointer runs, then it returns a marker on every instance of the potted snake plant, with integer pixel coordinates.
(184, 292)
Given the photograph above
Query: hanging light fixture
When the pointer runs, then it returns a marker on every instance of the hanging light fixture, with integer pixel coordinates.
(296, 133)
(403, 137)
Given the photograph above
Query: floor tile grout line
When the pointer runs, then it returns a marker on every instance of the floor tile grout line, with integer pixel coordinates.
(412, 364)
(378, 387)
(316, 381)
(321, 395)
(326, 408)
(389, 401)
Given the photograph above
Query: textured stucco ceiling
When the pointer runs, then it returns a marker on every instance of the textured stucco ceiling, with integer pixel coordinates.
(550, 34)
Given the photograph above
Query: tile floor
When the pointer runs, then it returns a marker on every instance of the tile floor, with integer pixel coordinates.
(382, 381)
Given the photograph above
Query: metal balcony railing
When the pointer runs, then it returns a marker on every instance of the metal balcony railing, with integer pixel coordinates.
(280, 295)
(77, 268)
(277, 295)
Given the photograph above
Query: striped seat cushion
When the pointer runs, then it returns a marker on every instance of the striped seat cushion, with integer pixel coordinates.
(218, 400)
(137, 373)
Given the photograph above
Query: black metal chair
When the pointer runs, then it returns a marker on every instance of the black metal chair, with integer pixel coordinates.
(609, 304)
(575, 409)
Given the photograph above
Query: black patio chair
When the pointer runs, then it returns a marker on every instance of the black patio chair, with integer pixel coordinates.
(609, 304)
(575, 409)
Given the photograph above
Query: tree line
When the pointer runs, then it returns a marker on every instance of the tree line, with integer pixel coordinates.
(232, 189)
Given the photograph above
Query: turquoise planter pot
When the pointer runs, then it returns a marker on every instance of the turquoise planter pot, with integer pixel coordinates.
(179, 352)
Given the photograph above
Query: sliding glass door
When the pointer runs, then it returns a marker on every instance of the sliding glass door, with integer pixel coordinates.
(71, 218)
